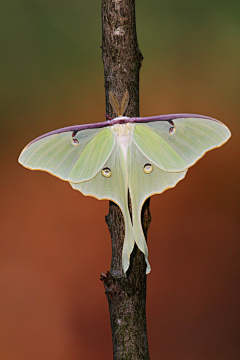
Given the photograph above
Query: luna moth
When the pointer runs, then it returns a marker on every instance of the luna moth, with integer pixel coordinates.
(139, 156)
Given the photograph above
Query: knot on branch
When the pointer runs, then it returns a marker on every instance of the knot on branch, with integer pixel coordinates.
(112, 287)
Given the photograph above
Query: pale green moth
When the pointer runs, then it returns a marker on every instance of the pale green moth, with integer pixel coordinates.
(144, 156)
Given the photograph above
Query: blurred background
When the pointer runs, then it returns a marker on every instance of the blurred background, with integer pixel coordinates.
(55, 242)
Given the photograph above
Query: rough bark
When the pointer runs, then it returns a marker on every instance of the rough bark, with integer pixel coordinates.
(126, 294)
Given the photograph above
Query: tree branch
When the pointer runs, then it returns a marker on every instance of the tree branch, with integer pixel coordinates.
(126, 294)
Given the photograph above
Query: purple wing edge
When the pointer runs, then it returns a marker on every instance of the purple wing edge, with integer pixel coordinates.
(170, 117)
(122, 120)
(74, 129)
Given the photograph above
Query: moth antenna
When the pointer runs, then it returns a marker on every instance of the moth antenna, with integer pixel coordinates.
(124, 103)
(114, 102)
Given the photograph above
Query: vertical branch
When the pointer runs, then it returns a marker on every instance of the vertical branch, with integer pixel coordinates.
(126, 294)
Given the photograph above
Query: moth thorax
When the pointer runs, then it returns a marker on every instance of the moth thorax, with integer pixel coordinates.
(122, 129)
(123, 133)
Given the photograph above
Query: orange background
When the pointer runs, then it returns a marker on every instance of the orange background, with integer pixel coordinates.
(55, 242)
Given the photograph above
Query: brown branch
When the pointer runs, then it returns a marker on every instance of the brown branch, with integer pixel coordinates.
(126, 294)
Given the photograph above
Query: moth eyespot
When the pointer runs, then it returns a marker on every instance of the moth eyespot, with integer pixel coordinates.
(172, 130)
(106, 172)
(75, 142)
(148, 168)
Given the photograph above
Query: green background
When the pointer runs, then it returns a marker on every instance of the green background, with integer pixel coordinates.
(55, 242)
